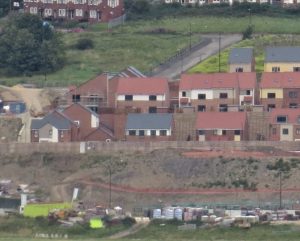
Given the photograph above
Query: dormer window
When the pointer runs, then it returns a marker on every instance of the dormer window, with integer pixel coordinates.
(281, 119)
(152, 97)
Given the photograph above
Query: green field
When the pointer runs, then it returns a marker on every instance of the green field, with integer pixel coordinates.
(134, 44)
(259, 43)
(38, 210)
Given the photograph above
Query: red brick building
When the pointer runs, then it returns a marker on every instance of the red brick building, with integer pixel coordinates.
(146, 95)
(85, 10)
(222, 126)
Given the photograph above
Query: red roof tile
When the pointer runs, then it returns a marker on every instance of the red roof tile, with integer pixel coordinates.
(292, 115)
(280, 80)
(217, 80)
(135, 86)
(221, 120)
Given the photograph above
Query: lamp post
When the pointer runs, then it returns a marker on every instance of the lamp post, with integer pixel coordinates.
(250, 22)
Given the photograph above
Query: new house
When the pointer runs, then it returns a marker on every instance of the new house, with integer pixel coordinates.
(280, 90)
(83, 10)
(282, 59)
(147, 95)
(54, 127)
(215, 92)
(149, 127)
(241, 60)
(221, 126)
(285, 125)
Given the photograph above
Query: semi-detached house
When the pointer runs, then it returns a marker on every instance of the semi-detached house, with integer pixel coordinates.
(216, 92)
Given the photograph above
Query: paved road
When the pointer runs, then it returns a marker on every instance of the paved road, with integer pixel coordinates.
(185, 63)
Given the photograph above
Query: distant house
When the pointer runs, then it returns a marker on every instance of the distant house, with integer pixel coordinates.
(241, 60)
(215, 92)
(54, 127)
(285, 125)
(83, 10)
(147, 95)
(218, 126)
(280, 90)
(282, 59)
(149, 127)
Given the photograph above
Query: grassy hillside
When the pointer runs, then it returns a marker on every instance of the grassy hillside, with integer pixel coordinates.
(141, 45)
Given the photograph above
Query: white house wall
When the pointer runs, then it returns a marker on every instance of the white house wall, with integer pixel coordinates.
(141, 97)
(217, 92)
(208, 93)
(94, 121)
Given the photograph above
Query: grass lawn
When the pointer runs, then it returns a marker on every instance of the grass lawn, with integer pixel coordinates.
(132, 44)
(169, 232)
(259, 43)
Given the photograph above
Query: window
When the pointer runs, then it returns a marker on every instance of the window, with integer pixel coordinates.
(93, 13)
(36, 133)
(50, 133)
(152, 97)
(239, 69)
(293, 94)
(48, 12)
(78, 12)
(153, 133)
(132, 132)
(61, 1)
(94, 2)
(152, 109)
(77, 122)
(201, 108)
(296, 69)
(113, 3)
(285, 131)
(201, 96)
(275, 69)
(274, 131)
(183, 94)
(298, 131)
(61, 12)
(75, 98)
(271, 106)
(293, 105)
(281, 119)
(224, 132)
(141, 133)
(162, 132)
(61, 133)
(223, 95)
(223, 108)
(271, 95)
(201, 132)
(128, 97)
(33, 10)
(215, 132)
(237, 132)
(248, 92)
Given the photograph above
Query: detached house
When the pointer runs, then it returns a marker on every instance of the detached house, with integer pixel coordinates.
(54, 127)
(217, 126)
(149, 127)
(215, 92)
(147, 95)
(241, 60)
(280, 90)
(84, 10)
(282, 59)
(285, 125)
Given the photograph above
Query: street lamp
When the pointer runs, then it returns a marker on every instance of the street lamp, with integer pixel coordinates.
(250, 22)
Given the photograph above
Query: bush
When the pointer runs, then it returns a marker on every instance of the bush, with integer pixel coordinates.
(84, 43)
(247, 34)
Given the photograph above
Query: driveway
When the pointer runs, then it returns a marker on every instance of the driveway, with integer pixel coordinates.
(211, 48)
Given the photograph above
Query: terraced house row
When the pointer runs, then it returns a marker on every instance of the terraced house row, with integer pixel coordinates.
(232, 106)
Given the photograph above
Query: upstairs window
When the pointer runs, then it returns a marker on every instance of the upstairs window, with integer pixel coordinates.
(141, 132)
(293, 94)
(281, 119)
(271, 95)
(237, 132)
(152, 97)
(248, 92)
(275, 69)
(153, 133)
(128, 97)
(162, 132)
(223, 95)
(201, 132)
(296, 69)
(285, 131)
(183, 94)
(132, 132)
(75, 98)
(201, 96)
(240, 69)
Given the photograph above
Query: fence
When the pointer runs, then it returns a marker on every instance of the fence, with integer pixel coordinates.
(116, 22)
(129, 147)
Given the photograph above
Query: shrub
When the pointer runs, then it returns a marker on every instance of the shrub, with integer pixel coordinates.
(84, 43)
(247, 34)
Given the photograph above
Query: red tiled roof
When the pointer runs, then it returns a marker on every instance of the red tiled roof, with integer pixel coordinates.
(217, 80)
(280, 80)
(221, 120)
(135, 86)
(292, 115)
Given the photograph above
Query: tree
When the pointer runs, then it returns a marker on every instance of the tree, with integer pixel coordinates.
(28, 45)
(5, 6)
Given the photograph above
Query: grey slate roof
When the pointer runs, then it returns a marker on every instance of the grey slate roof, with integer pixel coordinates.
(149, 121)
(282, 54)
(58, 120)
(241, 56)
(10, 203)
